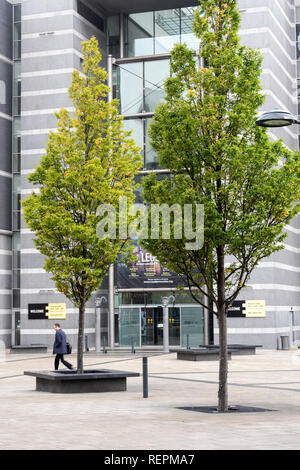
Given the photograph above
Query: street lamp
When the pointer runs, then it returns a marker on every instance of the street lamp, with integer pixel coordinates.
(165, 302)
(276, 118)
(99, 301)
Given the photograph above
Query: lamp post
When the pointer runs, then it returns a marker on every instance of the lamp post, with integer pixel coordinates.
(99, 301)
(166, 301)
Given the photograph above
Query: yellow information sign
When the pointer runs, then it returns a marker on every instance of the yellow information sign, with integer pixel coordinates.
(255, 308)
(56, 311)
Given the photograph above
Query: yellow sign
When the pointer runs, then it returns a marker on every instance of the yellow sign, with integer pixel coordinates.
(56, 311)
(255, 308)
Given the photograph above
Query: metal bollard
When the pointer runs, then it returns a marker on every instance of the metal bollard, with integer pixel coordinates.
(132, 346)
(145, 377)
(188, 342)
(104, 345)
(86, 343)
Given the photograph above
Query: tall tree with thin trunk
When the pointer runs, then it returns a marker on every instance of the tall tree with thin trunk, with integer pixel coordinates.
(90, 161)
(205, 133)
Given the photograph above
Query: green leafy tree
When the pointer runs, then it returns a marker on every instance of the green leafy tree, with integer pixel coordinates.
(90, 161)
(205, 133)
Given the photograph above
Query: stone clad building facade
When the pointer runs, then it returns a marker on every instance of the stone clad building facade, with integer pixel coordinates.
(40, 46)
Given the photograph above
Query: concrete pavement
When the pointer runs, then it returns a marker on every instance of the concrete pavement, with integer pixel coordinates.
(125, 420)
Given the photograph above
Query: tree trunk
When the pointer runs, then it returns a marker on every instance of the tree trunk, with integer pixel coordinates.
(223, 364)
(222, 316)
(80, 345)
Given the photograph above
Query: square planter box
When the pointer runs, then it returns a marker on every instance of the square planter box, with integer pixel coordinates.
(91, 381)
(199, 354)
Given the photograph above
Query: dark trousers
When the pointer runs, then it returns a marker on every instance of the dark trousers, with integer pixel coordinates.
(60, 357)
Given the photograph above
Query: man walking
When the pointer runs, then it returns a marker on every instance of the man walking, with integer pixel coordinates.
(60, 347)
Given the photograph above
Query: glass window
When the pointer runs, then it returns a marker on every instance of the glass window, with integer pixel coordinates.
(192, 324)
(129, 326)
(187, 35)
(17, 13)
(16, 163)
(17, 31)
(140, 32)
(16, 241)
(16, 298)
(156, 72)
(17, 50)
(2, 92)
(137, 128)
(139, 190)
(113, 34)
(151, 157)
(167, 30)
(131, 88)
(16, 259)
(16, 279)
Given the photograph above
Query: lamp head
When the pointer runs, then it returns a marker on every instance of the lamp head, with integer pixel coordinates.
(276, 118)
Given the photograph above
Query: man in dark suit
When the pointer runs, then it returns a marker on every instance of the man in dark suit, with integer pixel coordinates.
(60, 347)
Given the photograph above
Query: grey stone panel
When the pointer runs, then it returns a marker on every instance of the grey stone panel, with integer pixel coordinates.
(47, 25)
(283, 95)
(27, 240)
(36, 281)
(286, 257)
(5, 262)
(32, 260)
(47, 82)
(265, 40)
(37, 103)
(5, 29)
(89, 31)
(31, 7)
(5, 242)
(6, 77)
(5, 282)
(30, 161)
(30, 142)
(50, 43)
(5, 301)
(33, 64)
(275, 276)
(5, 147)
(41, 102)
(288, 80)
(5, 206)
(5, 321)
(260, 19)
(43, 121)
(270, 3)
(292, 239)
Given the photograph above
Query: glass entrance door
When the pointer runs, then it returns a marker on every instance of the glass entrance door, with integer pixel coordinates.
(152, 326)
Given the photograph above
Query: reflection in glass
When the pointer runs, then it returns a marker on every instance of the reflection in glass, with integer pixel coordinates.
(140, 34)
(129, 326)
(167, 30)
(174, 326)
(137, 128)
(131, 88)
(187, 35)
(192, 324)
(156, 72)
(151, 157)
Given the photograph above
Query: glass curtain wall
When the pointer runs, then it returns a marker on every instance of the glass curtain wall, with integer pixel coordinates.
(157, 32)
(139, 88)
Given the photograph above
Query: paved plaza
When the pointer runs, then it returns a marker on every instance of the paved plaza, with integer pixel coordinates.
(125, 420)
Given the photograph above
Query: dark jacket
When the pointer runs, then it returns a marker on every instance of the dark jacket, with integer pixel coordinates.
(60, 343)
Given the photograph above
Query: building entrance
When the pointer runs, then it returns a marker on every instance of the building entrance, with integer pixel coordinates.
(152, 326)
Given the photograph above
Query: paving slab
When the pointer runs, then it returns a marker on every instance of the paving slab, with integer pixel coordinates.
(125, 420)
